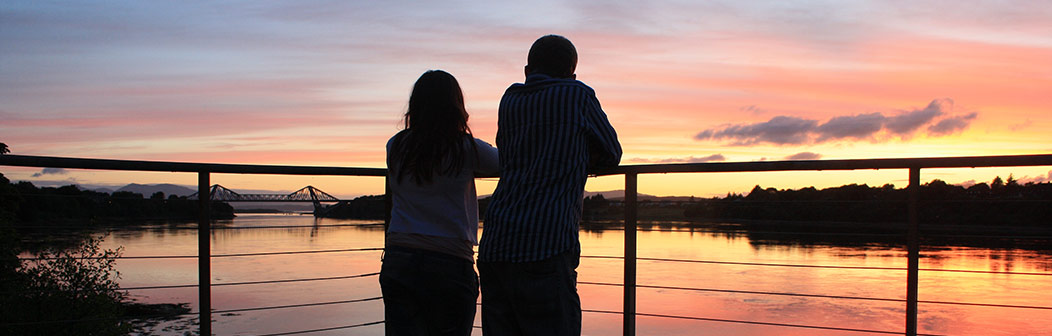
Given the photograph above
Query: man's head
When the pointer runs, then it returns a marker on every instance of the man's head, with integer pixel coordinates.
(552, 55)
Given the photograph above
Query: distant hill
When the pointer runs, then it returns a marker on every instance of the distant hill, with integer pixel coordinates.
(100, 189)
(149, 189)
(617, 195)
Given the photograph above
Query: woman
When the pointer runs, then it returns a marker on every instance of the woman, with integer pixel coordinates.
(428, 280)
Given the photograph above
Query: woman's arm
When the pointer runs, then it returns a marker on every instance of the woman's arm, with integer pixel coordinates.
(488, 159)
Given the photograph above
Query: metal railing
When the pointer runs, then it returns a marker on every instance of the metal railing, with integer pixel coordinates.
(631, 173)
(204, 223)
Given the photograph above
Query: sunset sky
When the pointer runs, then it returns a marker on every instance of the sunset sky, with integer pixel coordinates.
(324, 83)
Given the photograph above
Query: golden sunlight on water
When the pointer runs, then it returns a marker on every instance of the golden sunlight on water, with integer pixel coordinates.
(688, 289)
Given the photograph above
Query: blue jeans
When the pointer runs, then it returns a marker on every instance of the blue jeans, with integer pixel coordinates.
(427, 293)
(531, 298)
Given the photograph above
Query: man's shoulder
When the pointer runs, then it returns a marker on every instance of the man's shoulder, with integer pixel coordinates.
(569, 85)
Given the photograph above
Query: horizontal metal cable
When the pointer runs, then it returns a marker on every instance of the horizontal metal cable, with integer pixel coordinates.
(295, 305)
(256, 282)
(584, 227)
(159, 287)
(922, 201)
(820, 266)
(995, 305)
(296, 252)
(30, 323)
(241, 283)
(798, 233)
(100, 228)
(803, 233)
(274, 307)
(192, 313)
(324, 329)
(1016, 237)
(103, 196)
(114, 318)
(295, 226)
(754, 203)
(755, 322)
(983, 272)
(223, 255)
(743, 292)
(753, 264)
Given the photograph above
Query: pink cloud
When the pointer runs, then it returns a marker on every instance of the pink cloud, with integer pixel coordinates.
(173, 124)
(689, 159)
(1037, 179)
(358, 157)
(804, 156)
(791, 130)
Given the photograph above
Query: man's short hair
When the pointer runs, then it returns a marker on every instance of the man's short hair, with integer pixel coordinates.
(553, 55)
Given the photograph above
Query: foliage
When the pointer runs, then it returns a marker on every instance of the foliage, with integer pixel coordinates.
(31, 204)
(1002, 203)
(71, 288)
(67, 292)
(596, 201)
(364, 207)
(3, 149)
(597, 206)
(9, 201)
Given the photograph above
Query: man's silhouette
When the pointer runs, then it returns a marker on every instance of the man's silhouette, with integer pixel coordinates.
(550, 131)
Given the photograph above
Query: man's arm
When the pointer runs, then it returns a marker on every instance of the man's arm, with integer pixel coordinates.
(604, 149)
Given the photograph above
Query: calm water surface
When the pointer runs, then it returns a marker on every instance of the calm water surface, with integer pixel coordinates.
(1004, 289)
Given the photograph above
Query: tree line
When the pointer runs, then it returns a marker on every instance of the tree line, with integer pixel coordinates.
(998, 203)
(42, 206)
(71, 289)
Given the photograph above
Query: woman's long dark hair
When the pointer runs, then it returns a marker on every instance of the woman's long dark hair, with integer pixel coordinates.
(436, 124)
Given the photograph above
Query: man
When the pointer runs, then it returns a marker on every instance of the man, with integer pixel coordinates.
(550, 131)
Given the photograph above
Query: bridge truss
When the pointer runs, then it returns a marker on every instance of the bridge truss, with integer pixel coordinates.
(305, 194)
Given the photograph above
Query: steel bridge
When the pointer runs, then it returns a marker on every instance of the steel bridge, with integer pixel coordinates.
(305, 194)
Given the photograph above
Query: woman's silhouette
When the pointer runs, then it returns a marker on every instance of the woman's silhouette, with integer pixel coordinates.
(428, 280)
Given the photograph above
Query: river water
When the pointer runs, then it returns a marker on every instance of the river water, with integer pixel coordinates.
(730, 276)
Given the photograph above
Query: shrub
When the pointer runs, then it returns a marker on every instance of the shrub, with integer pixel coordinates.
(65, 292)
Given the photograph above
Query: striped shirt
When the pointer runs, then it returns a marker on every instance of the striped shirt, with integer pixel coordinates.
(549, 132)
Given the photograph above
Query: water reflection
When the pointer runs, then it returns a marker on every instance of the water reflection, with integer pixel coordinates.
(687, 289)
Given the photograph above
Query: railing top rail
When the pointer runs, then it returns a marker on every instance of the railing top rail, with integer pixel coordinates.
(188, 167)
(760, 166)
(851, 164)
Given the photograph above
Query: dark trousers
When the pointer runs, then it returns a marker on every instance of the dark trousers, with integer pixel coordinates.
(531, 298)
(427, 293)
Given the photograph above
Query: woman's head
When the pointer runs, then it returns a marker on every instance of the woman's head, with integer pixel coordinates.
(435, 127)
(437, 104)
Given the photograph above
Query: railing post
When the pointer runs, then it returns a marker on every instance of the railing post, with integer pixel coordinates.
(913, 248)
(630, 254)
(204, 253)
